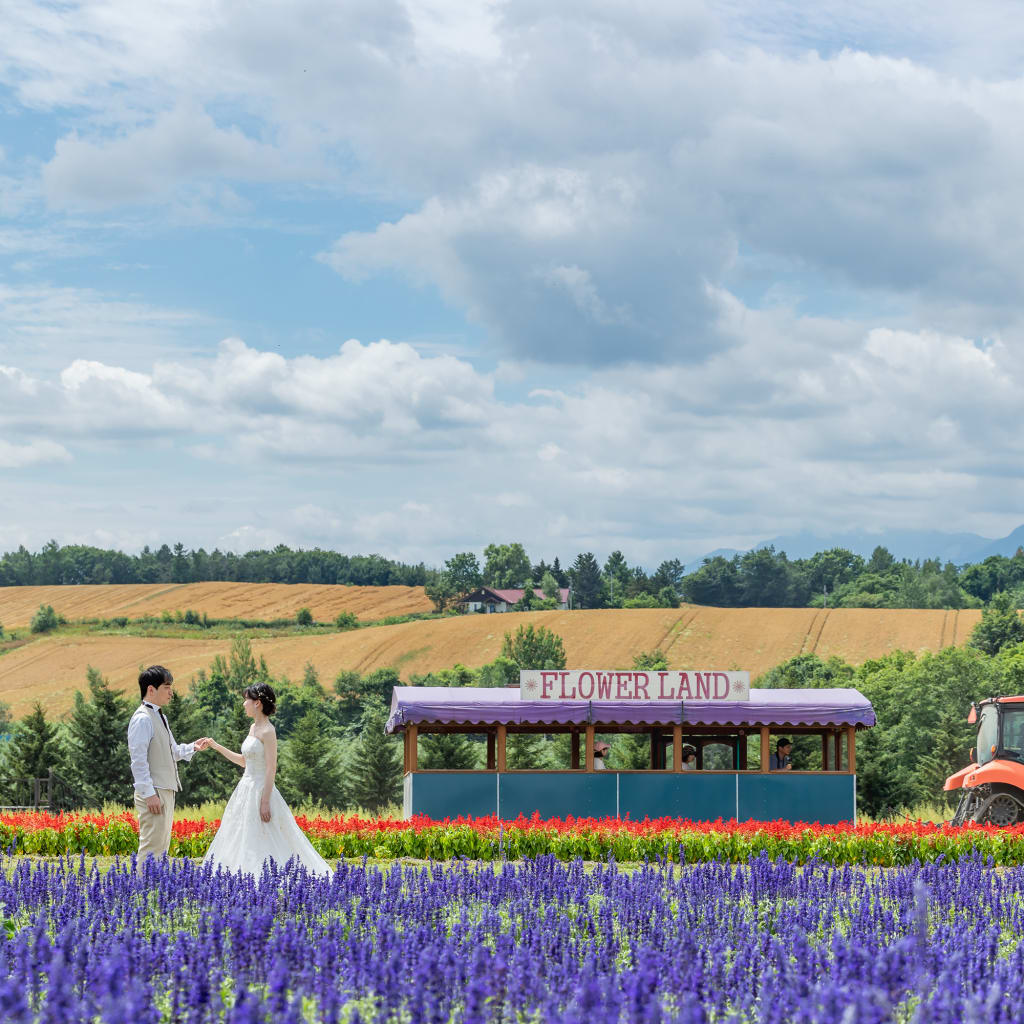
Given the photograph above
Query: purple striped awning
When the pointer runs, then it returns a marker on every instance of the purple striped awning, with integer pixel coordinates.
(466, 705)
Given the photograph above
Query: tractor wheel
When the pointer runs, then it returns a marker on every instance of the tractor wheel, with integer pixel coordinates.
(1000, 809)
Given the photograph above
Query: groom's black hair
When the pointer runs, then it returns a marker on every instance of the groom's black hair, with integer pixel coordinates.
(155, 675)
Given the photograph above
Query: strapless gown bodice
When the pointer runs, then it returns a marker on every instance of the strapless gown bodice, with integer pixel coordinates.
(245, 842)
(255, 760)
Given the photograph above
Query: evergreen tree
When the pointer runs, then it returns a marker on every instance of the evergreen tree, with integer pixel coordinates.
(549, 586)
(587, 587)
(208, 776)
(32, 753)
(375, 767)
(526, 750)
(99, 724)
(6, 718)
(447, 750)
(310, 765)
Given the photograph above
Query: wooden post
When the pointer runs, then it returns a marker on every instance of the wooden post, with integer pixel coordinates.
(699, 744)
(838, 744)
(492, 763)
(824, 751)
(574, 749)
(677, 748)
(851, 749)
(765, 748)
(590, 749)
(654, 749)
(743, 751)
(412, 730)
(501, 748)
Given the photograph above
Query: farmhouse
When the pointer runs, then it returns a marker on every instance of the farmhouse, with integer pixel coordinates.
(487, 599)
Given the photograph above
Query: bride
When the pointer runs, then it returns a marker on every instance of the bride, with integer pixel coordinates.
(257, 825)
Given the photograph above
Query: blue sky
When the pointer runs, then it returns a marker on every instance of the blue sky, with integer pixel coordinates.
(412, 277)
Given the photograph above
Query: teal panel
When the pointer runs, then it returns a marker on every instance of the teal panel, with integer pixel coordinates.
(449, 794)
(827, 799)
(557, 794)
(692, 795)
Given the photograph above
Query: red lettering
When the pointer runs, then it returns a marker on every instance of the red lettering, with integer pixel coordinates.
(546, 684)
(588, 679)
(703, 685)
(565, 694)
(685, 693)
(721, 685)
(662, 694)
(604, 685)
(622, 681)
(642, 682)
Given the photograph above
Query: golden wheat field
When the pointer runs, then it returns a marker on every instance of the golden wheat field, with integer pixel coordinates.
(219, 600)
(52, 669)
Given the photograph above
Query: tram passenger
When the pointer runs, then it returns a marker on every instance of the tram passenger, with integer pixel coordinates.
(779, 761)
(600, 753)
(689, 759)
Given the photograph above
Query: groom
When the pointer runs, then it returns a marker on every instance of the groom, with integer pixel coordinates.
(154, 753)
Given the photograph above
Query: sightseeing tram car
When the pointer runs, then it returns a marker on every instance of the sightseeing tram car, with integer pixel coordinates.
(710, 743)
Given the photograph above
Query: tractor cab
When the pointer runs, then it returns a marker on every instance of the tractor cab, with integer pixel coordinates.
(993, 783)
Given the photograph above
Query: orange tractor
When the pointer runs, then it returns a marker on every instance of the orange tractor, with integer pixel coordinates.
(993, 784)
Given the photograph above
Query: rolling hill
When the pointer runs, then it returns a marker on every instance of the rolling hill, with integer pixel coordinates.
(51, 669)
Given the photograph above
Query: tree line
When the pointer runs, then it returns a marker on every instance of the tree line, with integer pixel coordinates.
(762, 577)
(61, 565)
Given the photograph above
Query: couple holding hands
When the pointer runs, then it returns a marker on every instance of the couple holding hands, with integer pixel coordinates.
(256, 826)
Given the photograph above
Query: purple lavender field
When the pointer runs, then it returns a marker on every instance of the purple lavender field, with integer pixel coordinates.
(534, 941)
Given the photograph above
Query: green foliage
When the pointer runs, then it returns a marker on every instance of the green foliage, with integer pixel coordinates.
(304, 617)
(97, 746)
(448, 750)
(527, 750)
(375, 767)
(534, 648)
(6, 719)
(310, 765)
(587, 584)
(45, 620)
(346, 620)
(502, 671)
(548, 587)
(529, 600)
(651, 661)
(1001, 625)
(441, 591)
(505, 566)
(34, 750)
(463, 573)
(78, 563)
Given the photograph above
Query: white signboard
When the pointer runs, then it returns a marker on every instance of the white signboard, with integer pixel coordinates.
(635, 685)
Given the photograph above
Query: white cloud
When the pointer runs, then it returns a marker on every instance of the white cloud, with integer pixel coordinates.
(18, 456)
(151, 161)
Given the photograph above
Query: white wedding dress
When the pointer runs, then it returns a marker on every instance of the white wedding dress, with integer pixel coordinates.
(244, 841)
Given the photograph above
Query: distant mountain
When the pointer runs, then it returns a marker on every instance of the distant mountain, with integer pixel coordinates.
(913, 544)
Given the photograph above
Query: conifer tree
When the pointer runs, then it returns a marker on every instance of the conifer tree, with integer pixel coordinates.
(33, 752)
(526, 750)
(98, 765)
(310, 769)
(375, 768)
(448, 750)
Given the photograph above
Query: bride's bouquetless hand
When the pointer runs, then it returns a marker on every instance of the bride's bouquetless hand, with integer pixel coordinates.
(265, 809)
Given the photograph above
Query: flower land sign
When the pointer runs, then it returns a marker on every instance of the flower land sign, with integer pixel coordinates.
(596, 684)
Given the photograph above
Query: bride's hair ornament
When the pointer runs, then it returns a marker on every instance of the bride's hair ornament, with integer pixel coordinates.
(264, 694)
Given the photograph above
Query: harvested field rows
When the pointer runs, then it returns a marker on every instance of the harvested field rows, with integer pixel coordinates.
(52, 669)
(219, 601)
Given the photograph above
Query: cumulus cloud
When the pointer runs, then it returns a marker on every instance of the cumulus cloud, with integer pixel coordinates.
(151, 161)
